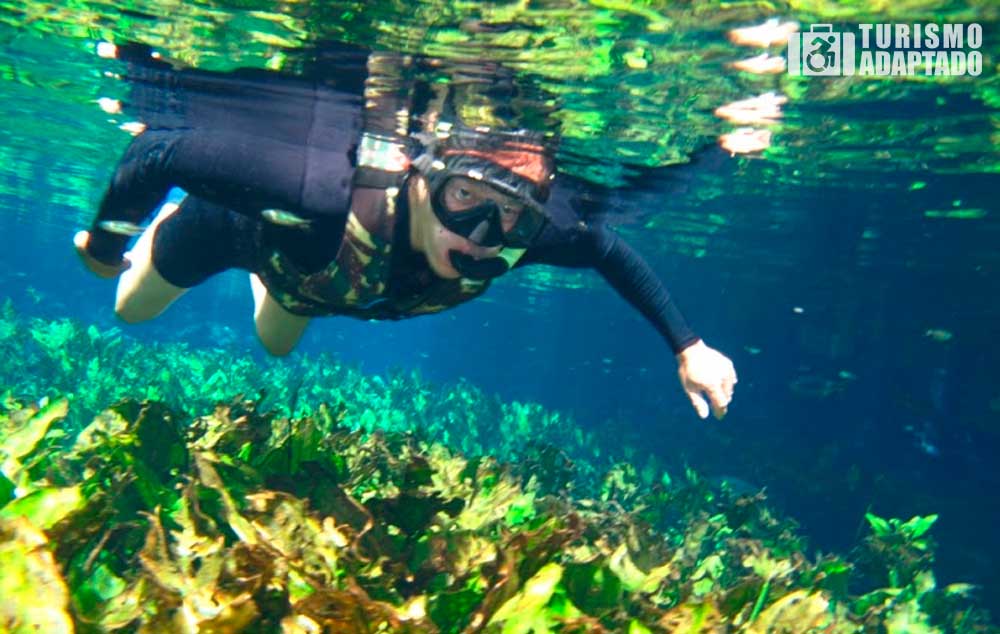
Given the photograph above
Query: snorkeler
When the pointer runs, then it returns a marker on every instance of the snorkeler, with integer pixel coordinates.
(367, 225)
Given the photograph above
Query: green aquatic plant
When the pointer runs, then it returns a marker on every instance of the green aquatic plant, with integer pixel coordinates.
(245, 520)
(93, 367)
(903, 549)
(901, 554)
(338, 501)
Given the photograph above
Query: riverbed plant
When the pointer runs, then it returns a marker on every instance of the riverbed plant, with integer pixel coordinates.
(164, 488)
(243, 520)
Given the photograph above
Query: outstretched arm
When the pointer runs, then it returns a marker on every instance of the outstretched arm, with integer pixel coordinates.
(701, 369)
(633, 278)
(600, 248)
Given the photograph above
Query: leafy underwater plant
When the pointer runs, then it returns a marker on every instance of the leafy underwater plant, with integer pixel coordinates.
(405, 507)
(902, 548)
(245, 521)
(93, 367)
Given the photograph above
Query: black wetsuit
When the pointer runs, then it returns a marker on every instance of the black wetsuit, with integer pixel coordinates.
(296, 154)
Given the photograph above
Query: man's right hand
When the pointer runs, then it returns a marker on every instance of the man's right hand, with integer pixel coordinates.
(706, 370)
(81, 240)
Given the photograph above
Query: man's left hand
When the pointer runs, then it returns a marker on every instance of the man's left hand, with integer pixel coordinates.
(704, 370)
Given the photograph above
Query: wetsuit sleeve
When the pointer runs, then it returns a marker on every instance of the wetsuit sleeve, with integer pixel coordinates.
(599, 247)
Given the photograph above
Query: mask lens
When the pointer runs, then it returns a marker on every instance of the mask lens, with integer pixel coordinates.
(458, 197)
(462, 205)
(526, 229)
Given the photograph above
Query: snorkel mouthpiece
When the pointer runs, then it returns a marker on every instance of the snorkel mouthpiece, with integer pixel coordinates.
(483, 269)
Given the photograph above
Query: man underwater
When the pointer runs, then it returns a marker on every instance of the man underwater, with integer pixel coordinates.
(334, 211)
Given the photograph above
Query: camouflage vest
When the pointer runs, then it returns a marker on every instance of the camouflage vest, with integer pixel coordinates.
(357, 282)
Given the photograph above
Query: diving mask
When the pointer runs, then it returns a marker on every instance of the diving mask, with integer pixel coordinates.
(488, 187)
(486, 214)
(501, 206)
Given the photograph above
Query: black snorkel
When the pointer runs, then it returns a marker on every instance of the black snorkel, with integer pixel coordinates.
(481, 269)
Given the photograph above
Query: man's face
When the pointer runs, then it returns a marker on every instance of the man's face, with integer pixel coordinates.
(430, 237)
(462, 194)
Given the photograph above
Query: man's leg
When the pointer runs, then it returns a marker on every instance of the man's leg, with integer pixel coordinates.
(278, 329)
(142, 292)
(183, 247)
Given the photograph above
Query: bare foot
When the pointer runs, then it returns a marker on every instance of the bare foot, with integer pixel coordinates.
(107, 271)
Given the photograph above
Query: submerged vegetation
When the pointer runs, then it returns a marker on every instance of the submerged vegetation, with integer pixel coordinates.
(40, 357)
(339, 503)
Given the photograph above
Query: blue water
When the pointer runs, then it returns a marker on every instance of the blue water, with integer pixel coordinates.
(866, 334)
(910, 433)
